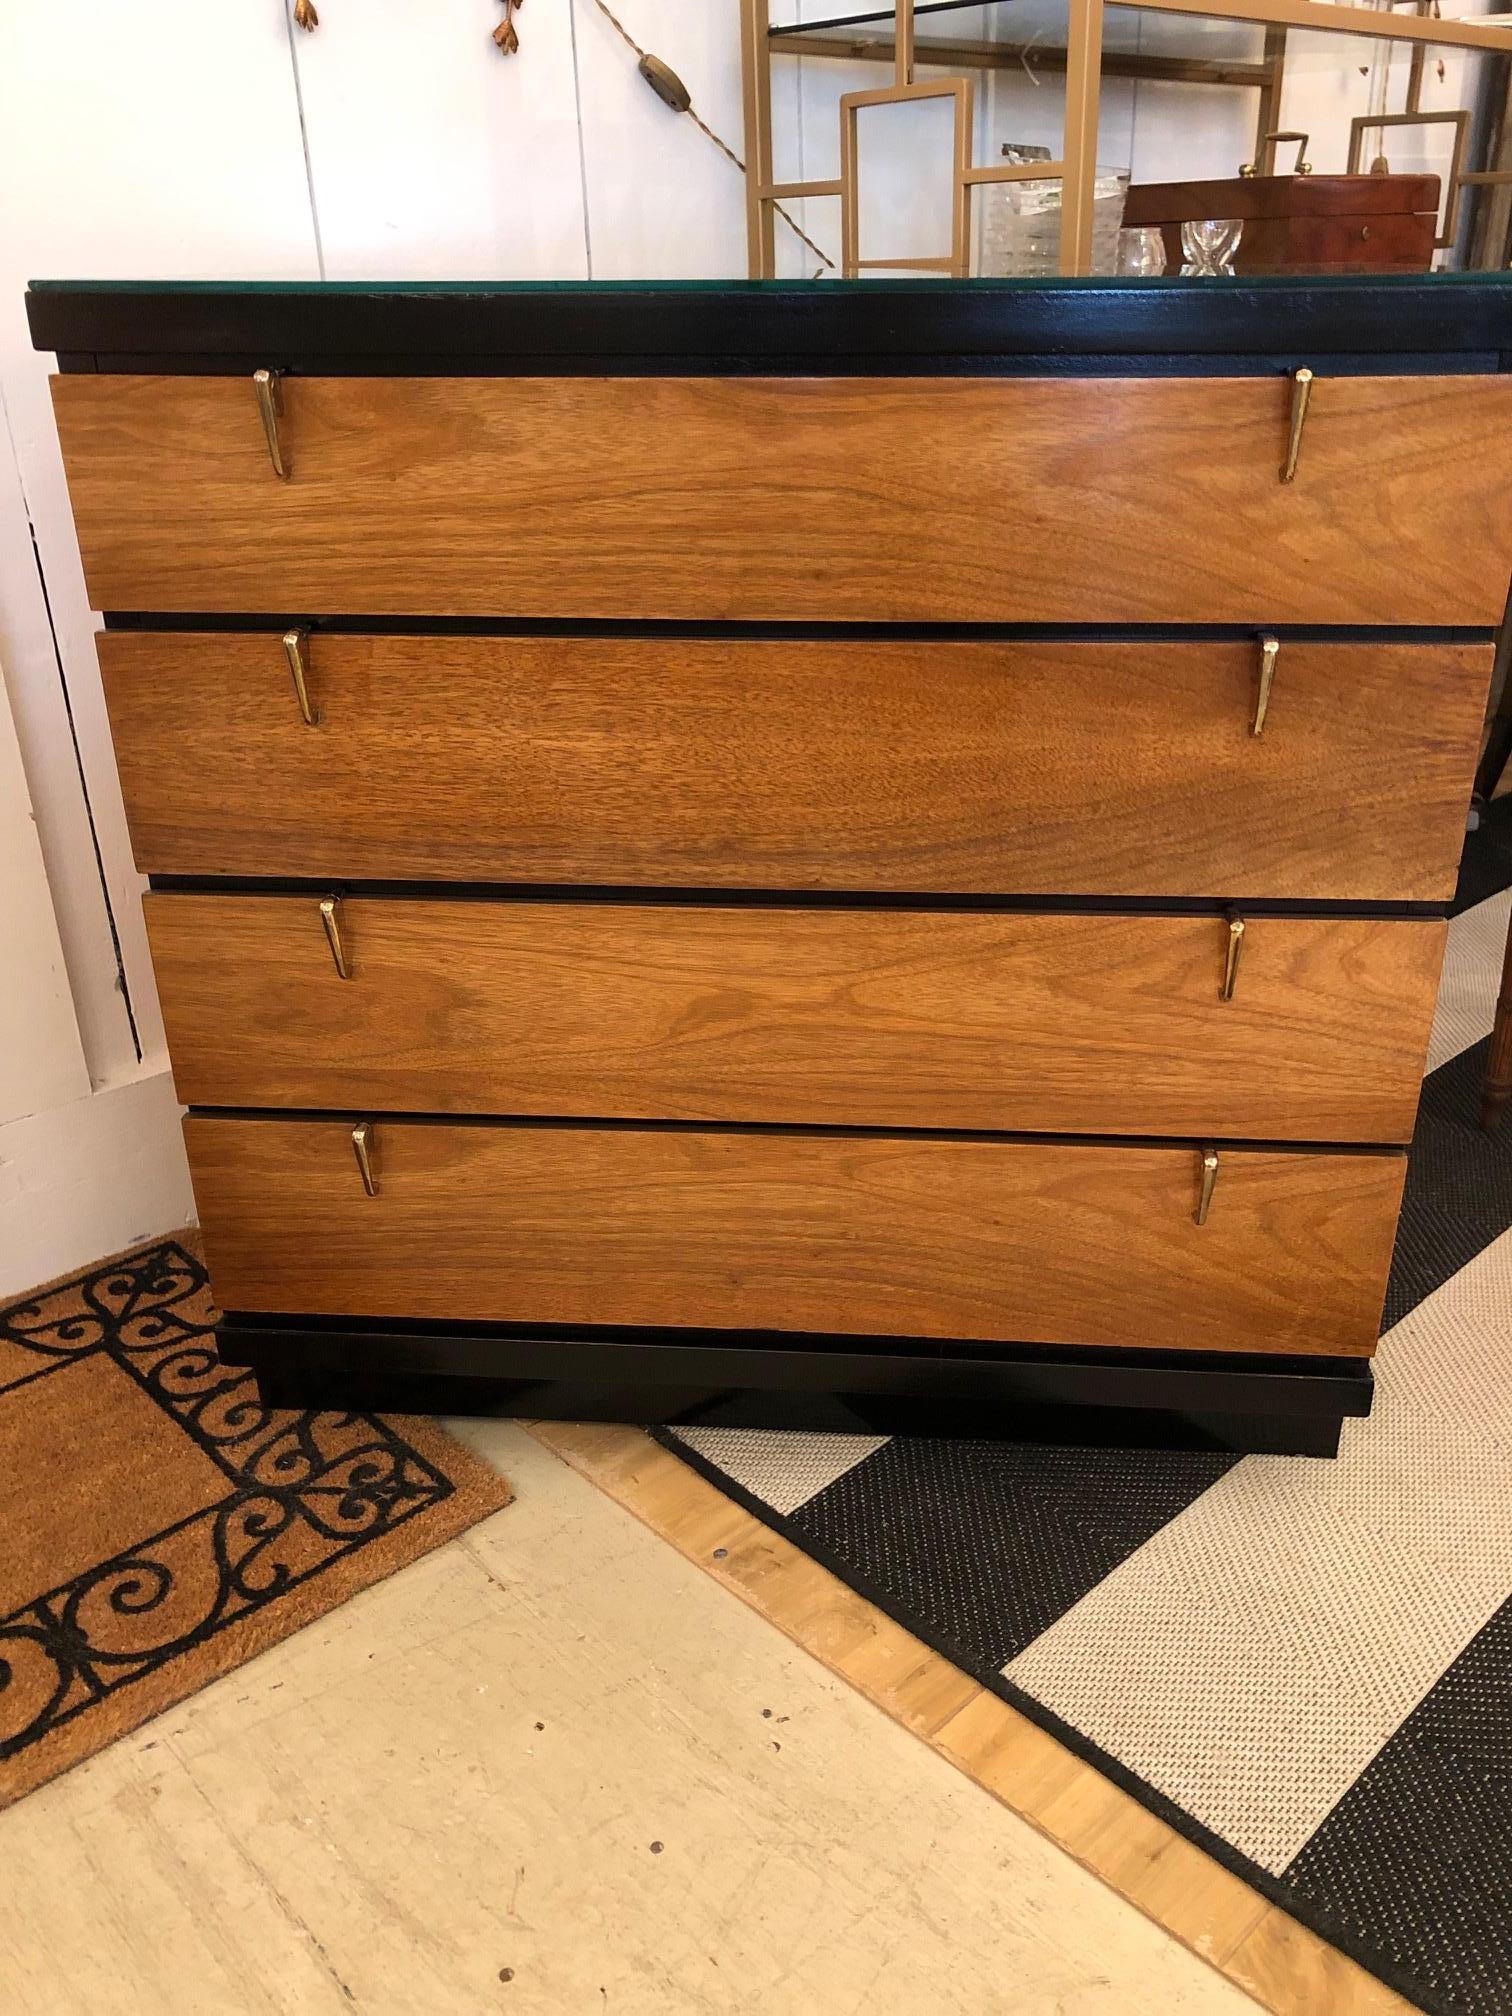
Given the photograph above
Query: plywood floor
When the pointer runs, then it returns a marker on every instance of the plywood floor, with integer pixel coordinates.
(554, 1767)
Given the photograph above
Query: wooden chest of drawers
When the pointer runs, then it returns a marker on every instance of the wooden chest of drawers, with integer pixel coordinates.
(799, 855)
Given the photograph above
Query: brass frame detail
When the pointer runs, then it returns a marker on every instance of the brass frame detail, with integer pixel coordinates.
(852, 104)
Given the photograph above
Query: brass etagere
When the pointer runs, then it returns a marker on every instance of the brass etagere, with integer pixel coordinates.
(1084, 62)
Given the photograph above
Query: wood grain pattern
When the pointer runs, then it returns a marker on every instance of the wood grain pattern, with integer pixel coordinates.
(1047, 1242)
(1016, 768)
(1296, 245)
(1254, 197)
(1074, 1024)
(887, 499)
(1303, 223)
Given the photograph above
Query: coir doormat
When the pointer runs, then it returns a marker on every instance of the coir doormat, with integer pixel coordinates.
(159, 1526)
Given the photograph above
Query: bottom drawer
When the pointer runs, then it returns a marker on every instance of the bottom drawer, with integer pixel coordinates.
(866, 1234)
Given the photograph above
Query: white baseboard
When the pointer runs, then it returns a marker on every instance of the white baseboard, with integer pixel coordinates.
(87, 1179)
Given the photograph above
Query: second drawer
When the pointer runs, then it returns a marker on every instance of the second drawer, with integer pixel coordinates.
(915, 766)
(1012, 1021)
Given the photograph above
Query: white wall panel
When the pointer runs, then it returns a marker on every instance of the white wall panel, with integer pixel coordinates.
(434, 156)
(1185, 132)
(1323, 91)
(663, 203)
(143, 143)
(89, 1178)
(137, 143)
(53, 783)
(41, 1060)
(52, 777)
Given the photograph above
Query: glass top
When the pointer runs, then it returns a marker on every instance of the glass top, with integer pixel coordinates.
(1269, 282)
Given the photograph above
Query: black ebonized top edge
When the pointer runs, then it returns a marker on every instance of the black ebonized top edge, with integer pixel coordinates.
(1445, 322)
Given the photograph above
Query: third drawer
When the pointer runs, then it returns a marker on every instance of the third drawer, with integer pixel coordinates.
(1009, 768)
(994, 1020)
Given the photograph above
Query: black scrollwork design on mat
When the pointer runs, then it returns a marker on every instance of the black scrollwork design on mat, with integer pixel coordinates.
(303, 1490)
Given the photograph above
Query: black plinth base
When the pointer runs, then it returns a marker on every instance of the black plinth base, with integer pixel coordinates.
(867, 1385)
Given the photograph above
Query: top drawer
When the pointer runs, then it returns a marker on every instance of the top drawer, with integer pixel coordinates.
(893, 499)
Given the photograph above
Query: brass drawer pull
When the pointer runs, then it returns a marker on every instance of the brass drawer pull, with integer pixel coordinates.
(268, 385)
(1302, 384)
(1209, 1182)
(294, 643)
(1231, 959)
(1270, 651)
(330, 917)
(365, 1147)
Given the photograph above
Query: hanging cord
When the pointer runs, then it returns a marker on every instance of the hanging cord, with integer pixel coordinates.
(670, 89)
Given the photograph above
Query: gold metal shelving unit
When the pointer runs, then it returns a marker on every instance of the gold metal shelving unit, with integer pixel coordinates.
(1085, 58)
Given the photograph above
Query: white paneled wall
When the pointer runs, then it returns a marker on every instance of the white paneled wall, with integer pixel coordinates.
(396, 142)
(41, 1057)
(662, 201)
(133, 142)
(431, 156)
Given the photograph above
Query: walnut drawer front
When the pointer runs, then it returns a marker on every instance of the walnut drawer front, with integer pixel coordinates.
(907, 1235)
(889, 499)
(1017, 768)
(1107, 1024)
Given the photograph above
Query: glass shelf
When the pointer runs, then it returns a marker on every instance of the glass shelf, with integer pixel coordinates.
(965, 29)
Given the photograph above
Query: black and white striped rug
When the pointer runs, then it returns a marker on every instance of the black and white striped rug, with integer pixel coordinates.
(1305, 1666)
